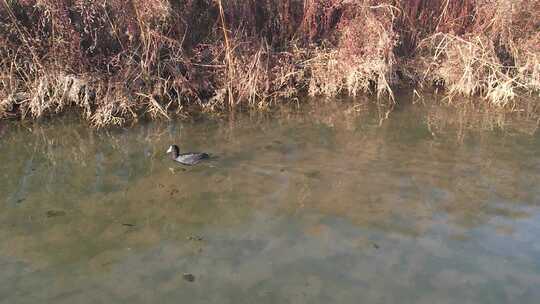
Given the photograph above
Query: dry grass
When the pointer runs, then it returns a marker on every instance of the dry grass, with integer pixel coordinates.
(469, 66)
(118, 61)
(496, 56)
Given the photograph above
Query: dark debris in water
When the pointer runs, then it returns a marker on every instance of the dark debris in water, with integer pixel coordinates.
(189, 277)
(194, 238)
(313, 174)
(128, 225)
(55, 213)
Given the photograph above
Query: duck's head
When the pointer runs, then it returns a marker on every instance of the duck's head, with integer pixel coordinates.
(174, 151)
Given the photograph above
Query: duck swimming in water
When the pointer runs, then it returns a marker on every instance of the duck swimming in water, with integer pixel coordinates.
(191, 158)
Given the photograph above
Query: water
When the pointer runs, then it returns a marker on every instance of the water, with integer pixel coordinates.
(325, 204)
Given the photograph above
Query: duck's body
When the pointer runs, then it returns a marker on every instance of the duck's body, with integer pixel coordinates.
(189, 159)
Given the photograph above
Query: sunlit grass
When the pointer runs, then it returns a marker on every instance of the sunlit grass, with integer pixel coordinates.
(116, 62)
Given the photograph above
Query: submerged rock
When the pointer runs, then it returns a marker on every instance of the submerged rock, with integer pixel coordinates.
(189, 277)
(55, 213)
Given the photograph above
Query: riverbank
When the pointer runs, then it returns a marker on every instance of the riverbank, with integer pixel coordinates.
(117, 62)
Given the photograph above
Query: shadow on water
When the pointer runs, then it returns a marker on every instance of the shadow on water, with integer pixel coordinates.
(317, 204)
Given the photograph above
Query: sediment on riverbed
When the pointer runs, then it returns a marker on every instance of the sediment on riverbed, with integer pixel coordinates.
(117, 61)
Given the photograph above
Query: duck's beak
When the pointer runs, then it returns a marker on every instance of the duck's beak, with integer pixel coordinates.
(170, 150)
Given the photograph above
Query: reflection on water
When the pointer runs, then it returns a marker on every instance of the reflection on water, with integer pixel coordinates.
(326, 204)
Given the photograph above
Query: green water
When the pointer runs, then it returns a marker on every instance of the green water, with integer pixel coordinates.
(325, 204)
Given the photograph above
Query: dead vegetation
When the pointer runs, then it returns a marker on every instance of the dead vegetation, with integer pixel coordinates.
(118, 61)
(494, 55)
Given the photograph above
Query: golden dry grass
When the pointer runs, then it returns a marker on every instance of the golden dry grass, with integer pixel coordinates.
(118, 61)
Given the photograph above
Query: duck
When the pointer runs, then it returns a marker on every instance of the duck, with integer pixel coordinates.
(188, 159)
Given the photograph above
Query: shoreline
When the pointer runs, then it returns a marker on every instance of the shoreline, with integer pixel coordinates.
(436, 113)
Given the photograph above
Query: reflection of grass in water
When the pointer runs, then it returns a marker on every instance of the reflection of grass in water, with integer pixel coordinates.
(458, 122)
(366, 174)
(374, 180)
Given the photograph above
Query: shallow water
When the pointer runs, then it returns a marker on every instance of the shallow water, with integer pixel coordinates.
(325, 204)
